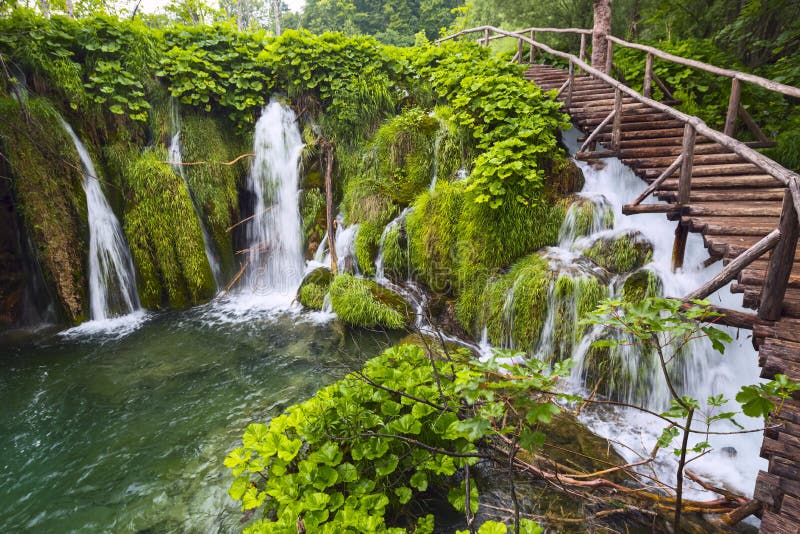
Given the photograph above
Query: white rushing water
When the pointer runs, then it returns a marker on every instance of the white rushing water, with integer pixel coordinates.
(176, 157)
(274, 264)
(112, 283)
(734, 461)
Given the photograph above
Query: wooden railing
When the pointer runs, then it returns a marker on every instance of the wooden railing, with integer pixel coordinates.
(782, 241)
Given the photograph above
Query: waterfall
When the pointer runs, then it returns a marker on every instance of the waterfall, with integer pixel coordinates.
(275, 264)
(112, 284)
(700, 373)
(345, 244)
(176, 157)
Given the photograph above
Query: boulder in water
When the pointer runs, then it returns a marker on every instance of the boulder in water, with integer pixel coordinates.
(640, 285)
(314, 287)
(362, 302)
(621, 253)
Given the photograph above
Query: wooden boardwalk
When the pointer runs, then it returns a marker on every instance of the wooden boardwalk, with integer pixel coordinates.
(734, 204)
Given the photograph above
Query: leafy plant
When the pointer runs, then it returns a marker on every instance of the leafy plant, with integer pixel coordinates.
(667, 326)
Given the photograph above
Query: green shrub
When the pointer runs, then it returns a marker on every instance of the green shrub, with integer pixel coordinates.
(362, 302)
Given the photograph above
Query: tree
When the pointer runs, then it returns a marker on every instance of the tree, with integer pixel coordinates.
(602, 27)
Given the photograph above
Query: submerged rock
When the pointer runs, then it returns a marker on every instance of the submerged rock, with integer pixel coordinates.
(621, 253)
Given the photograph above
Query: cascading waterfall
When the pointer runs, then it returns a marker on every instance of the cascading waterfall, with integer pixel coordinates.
(112, 283)
(700, 373)
(275, 265)
(176, 157)
(345, 244)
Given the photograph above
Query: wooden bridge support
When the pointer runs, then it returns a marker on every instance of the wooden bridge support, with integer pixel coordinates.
(684, 194)
(780, 265)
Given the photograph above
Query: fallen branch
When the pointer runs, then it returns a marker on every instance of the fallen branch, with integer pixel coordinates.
(226, 163)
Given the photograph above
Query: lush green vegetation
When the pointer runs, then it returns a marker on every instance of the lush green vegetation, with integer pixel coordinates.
(352, 458)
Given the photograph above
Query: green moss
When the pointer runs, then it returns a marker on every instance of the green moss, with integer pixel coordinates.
(490, 239)
(47, 186)
(622, 253)
(516, 303)
(586, 216)
(640, 285)
(164, 234)
(433, 235)
(312, 296)
(362, 302)
(366, 246)
(452, 146)
(214, 186)
(314, 287)
(404, 151)
(364, 197)
(395, 253)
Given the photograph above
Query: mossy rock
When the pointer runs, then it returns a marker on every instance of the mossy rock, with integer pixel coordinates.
(366, 246)
(621, 253)
(564, 177)
(214, 186)
(432, 228)
(49, 198)
(362, 302)
(314, 287)
(586, 216)
(164, 234)
(395, 253)
(312, 214)
(640, 285)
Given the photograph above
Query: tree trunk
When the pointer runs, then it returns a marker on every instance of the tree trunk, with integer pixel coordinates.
(45, 6)
(276, 15)
(240, 15)
(602, 27)
(70, 9)
(330, 223)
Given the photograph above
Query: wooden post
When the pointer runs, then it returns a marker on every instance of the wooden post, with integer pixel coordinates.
(616, 129)
(733, 107)
(582, 53)
(780, 265)
(519, 50)
(684, 192)
(647, 87)
(533, 48)
(330, 223)
(687, 151)
(486, 37)
(570, 81)
(609, 57)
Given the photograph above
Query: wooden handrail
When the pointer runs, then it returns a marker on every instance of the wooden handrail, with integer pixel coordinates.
(730, 271)
(729, 73)
(772, 168)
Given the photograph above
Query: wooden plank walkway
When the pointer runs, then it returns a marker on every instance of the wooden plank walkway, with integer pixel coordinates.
(733, 204)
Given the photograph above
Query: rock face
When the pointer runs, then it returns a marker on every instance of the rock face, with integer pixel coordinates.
(48, 197)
